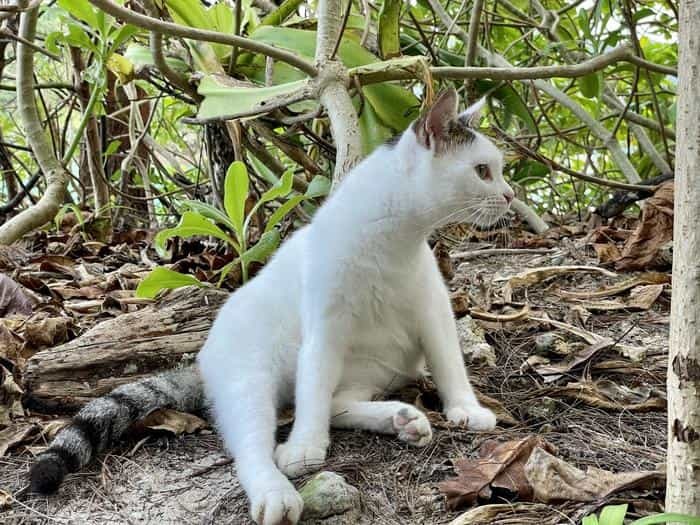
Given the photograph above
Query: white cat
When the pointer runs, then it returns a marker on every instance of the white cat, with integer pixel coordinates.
(351, 306)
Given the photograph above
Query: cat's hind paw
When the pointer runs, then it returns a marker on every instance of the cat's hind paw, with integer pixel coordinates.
(412, 426)
(475, 417)
(296, 460)
(276, 506)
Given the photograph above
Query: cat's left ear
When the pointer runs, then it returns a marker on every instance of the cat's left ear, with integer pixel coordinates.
(472, 115)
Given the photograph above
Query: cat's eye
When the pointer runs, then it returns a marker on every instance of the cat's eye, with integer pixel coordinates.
(483, 171)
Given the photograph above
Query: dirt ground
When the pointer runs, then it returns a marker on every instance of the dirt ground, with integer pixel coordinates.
(176, 480)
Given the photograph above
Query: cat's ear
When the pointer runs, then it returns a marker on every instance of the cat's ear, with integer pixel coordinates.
(471, 116)
(432, 128)
(441, 113)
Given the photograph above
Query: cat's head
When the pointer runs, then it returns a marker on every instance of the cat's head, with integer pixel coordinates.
(461, 170)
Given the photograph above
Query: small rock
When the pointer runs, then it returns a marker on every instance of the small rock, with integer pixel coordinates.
(473, 342)
(544, 343)
(329, 500)
(543, 409)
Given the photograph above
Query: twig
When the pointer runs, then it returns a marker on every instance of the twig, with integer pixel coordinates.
(489, 252)
(169, 28)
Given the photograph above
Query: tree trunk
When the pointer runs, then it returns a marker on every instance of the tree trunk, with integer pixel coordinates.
(683, 489)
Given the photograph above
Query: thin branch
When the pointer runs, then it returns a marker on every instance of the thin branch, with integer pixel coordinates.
(395, 71)
(56, 175)
(168, 28)
(473, 35)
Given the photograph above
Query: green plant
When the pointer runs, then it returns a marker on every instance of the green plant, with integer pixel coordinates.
(615, 515)
(231, 226)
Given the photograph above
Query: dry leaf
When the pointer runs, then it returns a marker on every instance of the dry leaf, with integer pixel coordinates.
(611, 396)
(553, 479)
(14, 299)
(537, 275)
(643, 249)
(43, 331)
(16, 435)
(641, 298)
(500, 467)
(5, 500)
(10, 343)
(174, 421)
(488, 513)
(10, 398)
(628, 284)
(606, 252)
(552, 372)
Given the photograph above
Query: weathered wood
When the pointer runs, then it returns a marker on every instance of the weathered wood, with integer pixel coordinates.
(123, 349)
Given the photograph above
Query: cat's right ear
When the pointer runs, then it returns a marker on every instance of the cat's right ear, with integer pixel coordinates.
(434, 125)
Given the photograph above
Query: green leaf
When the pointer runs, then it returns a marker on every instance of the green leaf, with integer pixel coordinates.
(529, 171)
(388, 30)
(279, 15)
(372, 131)
(141, 56)
(82, 10)
(217, 18)
(225, 271)
(667, 517)
(235, 195)
(191, 224)
(319, 186)
(394, 105)
(262, 250)
(282, 211)
(589, 85)
(210, 212)
(281, 189)
(112, 147)
(613, 515)
(122, 34)
(590, 520)
(161, 278)
(221, 100)
(77, 37)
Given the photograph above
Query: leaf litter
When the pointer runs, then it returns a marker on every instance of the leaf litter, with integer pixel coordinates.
(592, 399)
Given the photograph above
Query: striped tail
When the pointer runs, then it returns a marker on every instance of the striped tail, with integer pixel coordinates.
(104, 420)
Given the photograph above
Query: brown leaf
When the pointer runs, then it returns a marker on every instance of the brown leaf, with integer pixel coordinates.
(490, 513)
(645, 278)
(43, 331)
(553, 479)
(16, 435)
(500, 466)
(174, 421)
(641, 298)
(10, 343)
(606, 252)
(552, 372)
(5, 500)
(643, 249)
(536, 275)
(611, 396)
(10, 398)
(13, 298)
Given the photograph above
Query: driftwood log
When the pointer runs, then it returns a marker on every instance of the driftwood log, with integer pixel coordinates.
(121, 350)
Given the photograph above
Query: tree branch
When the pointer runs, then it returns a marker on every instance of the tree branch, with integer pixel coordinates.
(56, 175)
(168, 28)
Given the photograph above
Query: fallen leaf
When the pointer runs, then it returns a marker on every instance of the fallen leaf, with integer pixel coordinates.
(553, 479)
(537, 275)
(174, 421)
(10, 343)
(643, 249)
(500, 467)
(41, 331)
(488, 513)
(5, 500)
(16, 435)
(14, 299)
(552, 372)
(628, 284)
(606, 252)
(640, 298)
(611, 396)
(10, 398)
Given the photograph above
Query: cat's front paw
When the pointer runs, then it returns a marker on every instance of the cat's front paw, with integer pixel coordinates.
(475, 417)
(278, 505)
(412, 426)
(297, 459)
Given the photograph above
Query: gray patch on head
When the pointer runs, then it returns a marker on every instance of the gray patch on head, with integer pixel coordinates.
(456, 135)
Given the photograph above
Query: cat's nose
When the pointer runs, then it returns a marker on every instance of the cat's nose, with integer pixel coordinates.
(508, 196)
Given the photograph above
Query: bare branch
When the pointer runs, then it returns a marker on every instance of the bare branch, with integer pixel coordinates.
(168, 28)
(473, 36)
